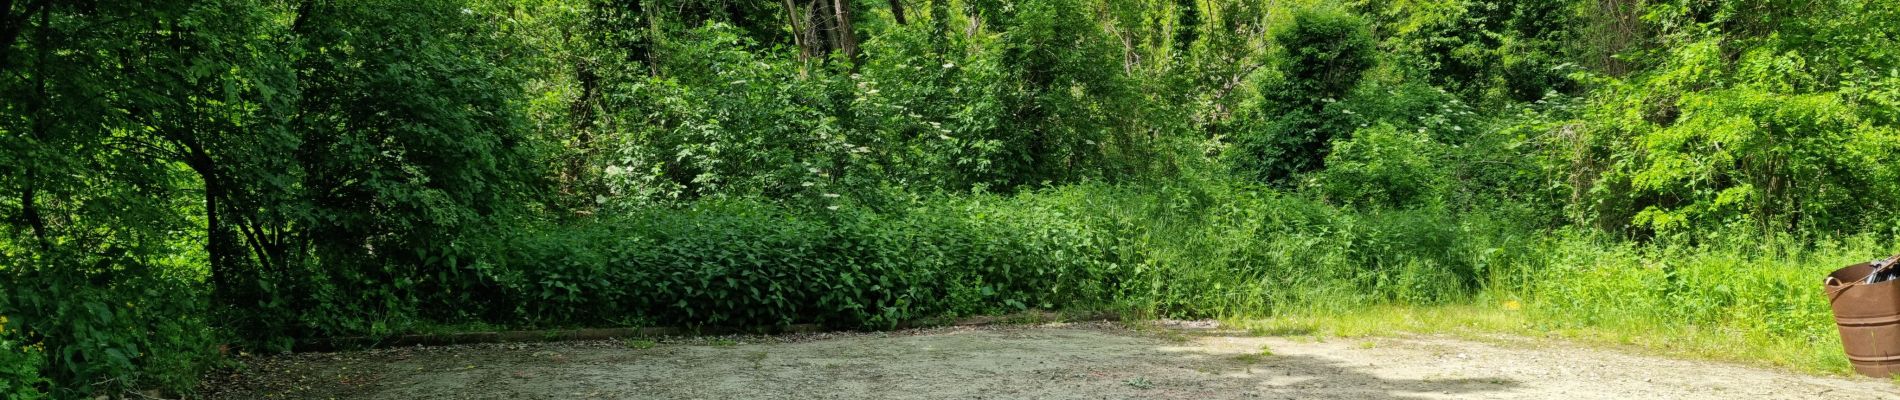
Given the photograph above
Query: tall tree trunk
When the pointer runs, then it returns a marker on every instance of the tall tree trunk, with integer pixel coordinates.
(816, 36)
(824, 27)
(897, 12)
(217, 243)
(9, 30)
(640, 50)
(847, 38)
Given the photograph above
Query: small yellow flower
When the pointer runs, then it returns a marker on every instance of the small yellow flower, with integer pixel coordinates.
(1512, 305)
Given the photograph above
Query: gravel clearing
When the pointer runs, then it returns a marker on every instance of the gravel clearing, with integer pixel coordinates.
(1050, 361)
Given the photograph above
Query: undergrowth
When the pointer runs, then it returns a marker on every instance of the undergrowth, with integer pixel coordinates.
(1200, 251)
(1752, 303)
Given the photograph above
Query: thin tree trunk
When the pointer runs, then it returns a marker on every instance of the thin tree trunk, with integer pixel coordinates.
(29, 202)
(817, 35)
(29, 211)
(798, 35)
(642, 45)
(652, 39)
(9, 30)
(303, 17)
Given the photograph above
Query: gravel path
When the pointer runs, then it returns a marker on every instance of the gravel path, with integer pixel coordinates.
(1058, 361)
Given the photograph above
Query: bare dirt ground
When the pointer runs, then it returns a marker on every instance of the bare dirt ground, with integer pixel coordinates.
(1054, 361)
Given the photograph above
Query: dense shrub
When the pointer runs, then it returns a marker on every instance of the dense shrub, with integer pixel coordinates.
(1688, 147)
(143, 331)
(750, 264)
(1488, 52)
(1177, 251)
(19, 368)
(1383, 167)
(1324, 55)
(724, 120)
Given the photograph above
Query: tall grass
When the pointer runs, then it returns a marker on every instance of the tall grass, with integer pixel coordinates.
(1237, 252)
(1742, 299)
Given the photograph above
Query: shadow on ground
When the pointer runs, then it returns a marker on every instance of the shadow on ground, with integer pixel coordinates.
(1246, 371)
(950, 363)
(1301, 376)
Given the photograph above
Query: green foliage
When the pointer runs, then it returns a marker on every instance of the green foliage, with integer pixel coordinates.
(1748, 129)
(175, 174)
(750, 264)
(723, 120)
(1383, 167)
(1758, 293)
(343, 175)
(1061, 110)
(1324, 55)
(934, 106)
(1486, 51)
(19, 368)
(1172, 252)
(144, 331)
(996, 108)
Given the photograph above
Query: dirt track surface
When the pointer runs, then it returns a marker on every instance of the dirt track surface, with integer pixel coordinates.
(1059, 361)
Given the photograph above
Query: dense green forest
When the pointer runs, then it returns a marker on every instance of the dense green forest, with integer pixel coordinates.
(182, 181)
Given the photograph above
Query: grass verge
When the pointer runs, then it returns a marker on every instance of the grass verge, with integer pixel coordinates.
(1509, 324)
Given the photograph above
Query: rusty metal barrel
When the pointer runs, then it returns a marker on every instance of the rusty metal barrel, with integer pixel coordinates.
(1868, 315)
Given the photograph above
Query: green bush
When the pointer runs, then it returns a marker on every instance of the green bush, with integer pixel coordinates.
(727, 121)
(1675, 151)
(19, 368)
(144, 331)
(1486, 51)
(1017, 105)
(748, 264)
(1324, 55)
(1188, 251)
(1382, 167)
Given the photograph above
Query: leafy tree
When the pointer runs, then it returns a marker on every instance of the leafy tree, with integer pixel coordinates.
(1743, 120)
(410, 138)
(1486, 51)
(1324, 54)
(117, 105)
